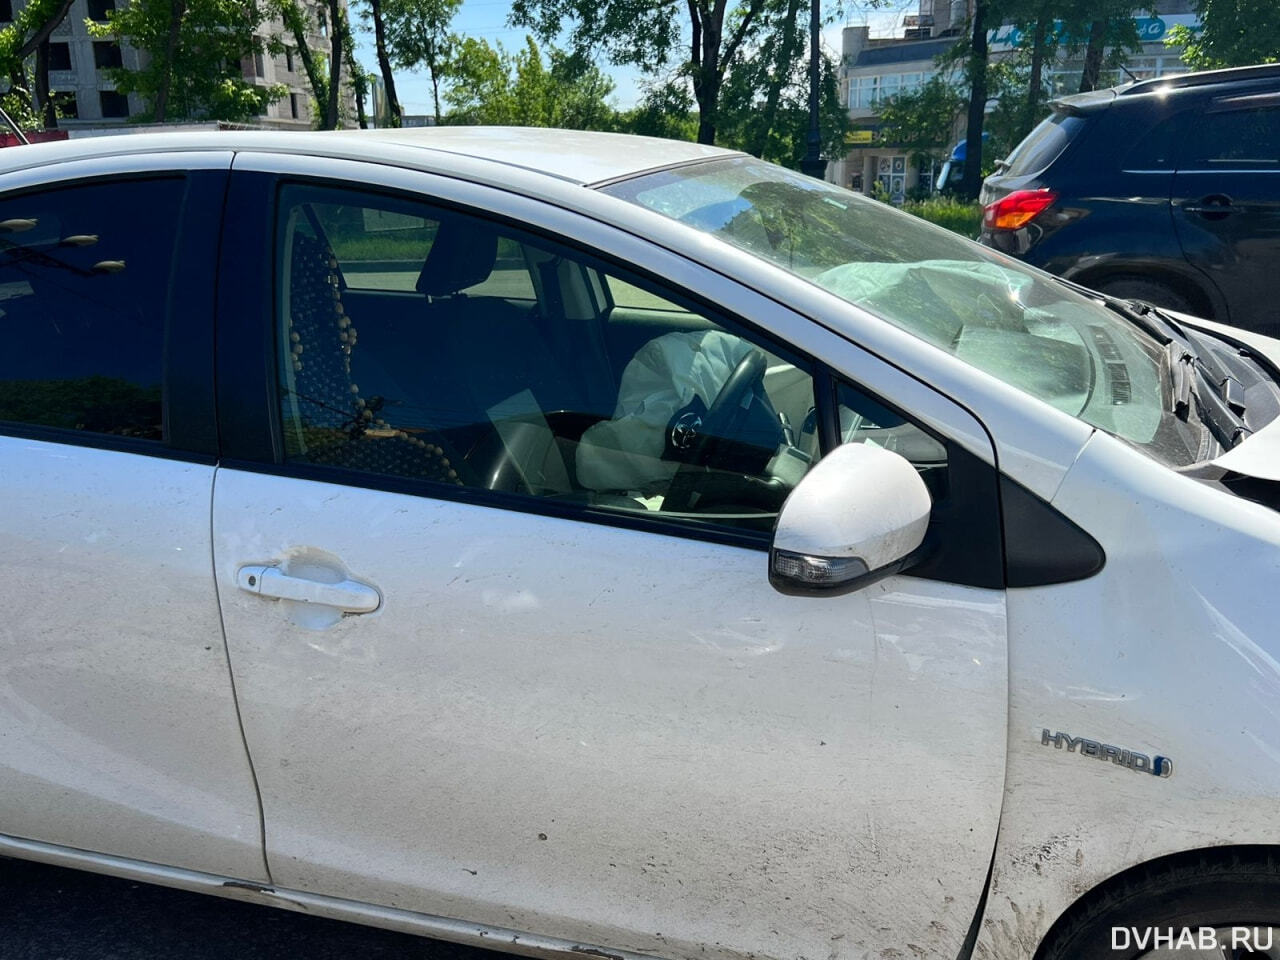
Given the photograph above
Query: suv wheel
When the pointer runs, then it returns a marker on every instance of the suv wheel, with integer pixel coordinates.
(1152, 291)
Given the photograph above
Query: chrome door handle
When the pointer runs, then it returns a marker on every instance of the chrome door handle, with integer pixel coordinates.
(349, 596)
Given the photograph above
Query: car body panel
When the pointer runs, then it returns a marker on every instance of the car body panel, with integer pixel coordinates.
(120, 730)
(1236, 252)
(694, 747)
(606, 688)
(1139, 656)
(121, 733)
(612, 736)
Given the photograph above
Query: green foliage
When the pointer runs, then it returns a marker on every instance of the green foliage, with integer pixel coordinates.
(1234, 33)
(1010, 120)
(957, 216)
(418, 36)
(194, 49)
(652, 36)
(764, 101)
(923, 121)
(17, 104)
(667, 111)
(491, 86)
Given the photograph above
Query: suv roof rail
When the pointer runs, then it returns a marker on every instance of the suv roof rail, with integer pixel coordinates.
(1204, 77)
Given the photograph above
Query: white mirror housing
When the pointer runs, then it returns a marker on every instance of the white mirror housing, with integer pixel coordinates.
(860, 514)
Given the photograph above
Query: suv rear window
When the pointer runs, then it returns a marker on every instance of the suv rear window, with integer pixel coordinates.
(1044, 144)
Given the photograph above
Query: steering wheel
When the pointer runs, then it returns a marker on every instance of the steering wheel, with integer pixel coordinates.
(721, 420)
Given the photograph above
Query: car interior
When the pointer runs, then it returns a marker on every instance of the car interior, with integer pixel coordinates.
(500, 362)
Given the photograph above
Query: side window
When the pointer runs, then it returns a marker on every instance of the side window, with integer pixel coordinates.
(1157, 149)
(84, 286)
(1234, 140)
(483, 357)
(865, 420)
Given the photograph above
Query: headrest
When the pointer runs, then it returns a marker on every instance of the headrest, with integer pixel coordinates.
(462, 255)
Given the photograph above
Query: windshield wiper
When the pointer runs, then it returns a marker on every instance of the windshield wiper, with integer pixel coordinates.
(1180, 366)
(1219, 406)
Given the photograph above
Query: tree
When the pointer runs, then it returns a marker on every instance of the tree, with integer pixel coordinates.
(194, 49)
(29, 34)
(976, 74)
(922, 121)
(395, 115)
(647, 35)
(417, 36)
(767, 114)
(324, 73)
(666, 111)
(491, 86)
(359, 77)
(1111, 27)
(1233, 33)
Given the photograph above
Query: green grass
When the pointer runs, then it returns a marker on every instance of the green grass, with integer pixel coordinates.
(956, 215)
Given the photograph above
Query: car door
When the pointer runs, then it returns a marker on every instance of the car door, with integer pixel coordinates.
(118, 728)
(1226, 205)
(493, 570)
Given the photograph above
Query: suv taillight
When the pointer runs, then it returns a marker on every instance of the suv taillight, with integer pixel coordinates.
(1017, 209)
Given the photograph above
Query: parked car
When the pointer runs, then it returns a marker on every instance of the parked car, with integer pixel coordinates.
(579, 544)
(1166, 190)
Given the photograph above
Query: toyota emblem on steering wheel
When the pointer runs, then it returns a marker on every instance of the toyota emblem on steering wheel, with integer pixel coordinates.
(685, 430)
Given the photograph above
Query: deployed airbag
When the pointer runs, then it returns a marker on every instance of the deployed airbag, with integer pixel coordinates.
(667, 375)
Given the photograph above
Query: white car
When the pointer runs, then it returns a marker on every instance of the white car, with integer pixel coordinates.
(428, 529)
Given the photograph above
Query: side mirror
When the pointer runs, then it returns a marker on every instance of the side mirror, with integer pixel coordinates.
(860, 514)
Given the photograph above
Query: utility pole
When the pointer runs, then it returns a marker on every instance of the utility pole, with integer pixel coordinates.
(813, 164)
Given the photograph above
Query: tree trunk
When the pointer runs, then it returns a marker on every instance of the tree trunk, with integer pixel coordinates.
(331, 114)
(177, 10)
(435, 91)
(384, 63)
(1038, 44)
(41, 35)
(972, 182)
(1093, 56)
(43, 101)
(297, 22)
(781, 70)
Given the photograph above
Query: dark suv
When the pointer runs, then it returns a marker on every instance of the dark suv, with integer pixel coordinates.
(1165, 190)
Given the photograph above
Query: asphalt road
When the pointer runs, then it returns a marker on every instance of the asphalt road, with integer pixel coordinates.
(47, 913)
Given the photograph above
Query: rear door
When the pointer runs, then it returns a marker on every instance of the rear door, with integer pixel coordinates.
(528, 694)
(118, 728)
(1226, 205)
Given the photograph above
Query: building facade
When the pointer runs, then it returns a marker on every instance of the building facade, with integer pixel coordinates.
(873, 70)
(80, 83)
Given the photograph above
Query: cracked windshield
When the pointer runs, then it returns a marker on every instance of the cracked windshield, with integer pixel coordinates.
(1029, 331)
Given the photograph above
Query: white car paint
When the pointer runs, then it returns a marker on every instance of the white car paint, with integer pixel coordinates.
(118, 733)
(879, 720)
(612, 737)
(1170, 650)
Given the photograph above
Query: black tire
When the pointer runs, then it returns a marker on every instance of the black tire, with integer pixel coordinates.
(1215, 889)
(1151, 291)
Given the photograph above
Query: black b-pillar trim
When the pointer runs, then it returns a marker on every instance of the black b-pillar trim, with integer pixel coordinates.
(247, 405)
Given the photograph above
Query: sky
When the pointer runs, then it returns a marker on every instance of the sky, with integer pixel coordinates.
(488, 19)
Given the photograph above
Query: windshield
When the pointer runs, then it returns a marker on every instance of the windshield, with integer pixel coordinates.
(992, 312)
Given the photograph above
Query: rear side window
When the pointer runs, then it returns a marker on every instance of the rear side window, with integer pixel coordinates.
(84, 288)
(1158, 148)
(1045, 144)
(1235, 140)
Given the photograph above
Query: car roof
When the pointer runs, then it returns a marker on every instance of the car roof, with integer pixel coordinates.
(575, 156)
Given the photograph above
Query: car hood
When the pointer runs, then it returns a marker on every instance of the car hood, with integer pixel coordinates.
(1259, 455)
